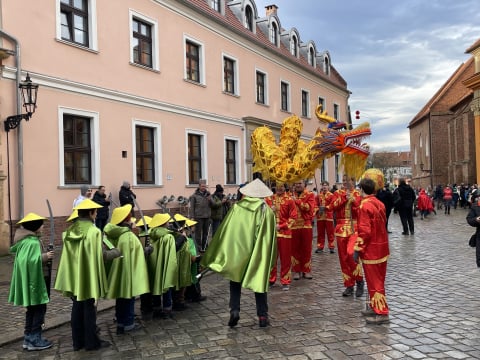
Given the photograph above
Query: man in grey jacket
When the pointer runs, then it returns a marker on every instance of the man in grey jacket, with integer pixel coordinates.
(200, 203)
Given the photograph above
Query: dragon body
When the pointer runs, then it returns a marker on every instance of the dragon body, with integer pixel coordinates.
(293, 159)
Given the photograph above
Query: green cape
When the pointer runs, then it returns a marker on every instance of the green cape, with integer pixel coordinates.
(128, 275)
(162, 262)
(81, 271)
(244, 246)
(184, 261)
(28, 284)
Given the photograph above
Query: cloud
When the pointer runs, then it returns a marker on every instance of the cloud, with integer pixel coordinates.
(394, 55)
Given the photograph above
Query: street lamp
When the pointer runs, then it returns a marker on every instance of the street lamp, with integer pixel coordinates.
(29, 96)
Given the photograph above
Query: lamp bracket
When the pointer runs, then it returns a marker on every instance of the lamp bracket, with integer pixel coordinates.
(13, 121)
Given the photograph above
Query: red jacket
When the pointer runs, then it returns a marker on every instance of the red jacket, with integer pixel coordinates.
(285, 213)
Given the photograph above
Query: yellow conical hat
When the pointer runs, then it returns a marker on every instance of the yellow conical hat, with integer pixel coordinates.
(120, 213)
(147, 220)
(179, 217)
(87, 204)
(376, 175)
(31, 217)
(190, 222)
(73, 215)
(159, 220)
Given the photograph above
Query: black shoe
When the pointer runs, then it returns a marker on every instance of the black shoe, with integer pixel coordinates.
(318, 251)
(412, 232)
(102, 345)
(199, 298)
(180, 307)
(348, 291)
(262, 321)
(359, 290)
(120, 330)
(234, 317)
(332, 251)
(404, 233)
(389, 232)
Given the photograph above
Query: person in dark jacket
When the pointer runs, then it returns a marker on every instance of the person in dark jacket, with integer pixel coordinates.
(386, 197)
(200, 203)
(102, 214)
(405, 206)
(126, 195)
(219, 207)
(473, 219)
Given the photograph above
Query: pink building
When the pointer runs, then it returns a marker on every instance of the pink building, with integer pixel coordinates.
(159, 93)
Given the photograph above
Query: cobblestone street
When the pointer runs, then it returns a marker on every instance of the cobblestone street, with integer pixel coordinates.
(433, 292)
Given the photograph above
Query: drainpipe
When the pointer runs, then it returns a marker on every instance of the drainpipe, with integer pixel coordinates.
(10, 38)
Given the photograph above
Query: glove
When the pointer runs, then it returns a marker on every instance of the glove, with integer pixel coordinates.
(111, 254)
(148, 250)
(355, 256)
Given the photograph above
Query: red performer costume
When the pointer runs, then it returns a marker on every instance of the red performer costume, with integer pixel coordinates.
(325, 220)
(371, 247)
(285, 212)
(345, 204)
(302, 234)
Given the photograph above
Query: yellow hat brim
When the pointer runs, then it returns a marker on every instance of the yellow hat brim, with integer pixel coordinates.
(159, 220)
(87, 204)
(73, 215)
(147, 220)
(120, 213)
(31, 217)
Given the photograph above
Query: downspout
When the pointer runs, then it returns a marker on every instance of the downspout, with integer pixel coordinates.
(430, 150)
(9, 37)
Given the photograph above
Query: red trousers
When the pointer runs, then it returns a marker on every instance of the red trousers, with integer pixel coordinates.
(284, 253)
(351, 271)
(322, 227)
(302, 250)
(375, 277)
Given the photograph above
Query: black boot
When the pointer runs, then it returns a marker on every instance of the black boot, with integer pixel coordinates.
(360, 287)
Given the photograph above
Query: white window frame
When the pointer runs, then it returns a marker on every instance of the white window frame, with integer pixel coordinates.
(289, 101)
(155, 47)
(204, 161)
(294, 45)
(337, 112)
(94, 140)
(308, 115)
(157, 139)
(266, 86)
(326, 64)
(236, 75)
(254, 27)
(237, 157)
(277, 33)
(312, 61)
(201, 59)
(92, 26)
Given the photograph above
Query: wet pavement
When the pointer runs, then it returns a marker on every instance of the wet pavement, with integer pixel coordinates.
(433, 291)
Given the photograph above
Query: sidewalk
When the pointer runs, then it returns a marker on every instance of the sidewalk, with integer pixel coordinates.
(432, 288)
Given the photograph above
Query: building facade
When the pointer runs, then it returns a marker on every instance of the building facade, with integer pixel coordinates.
(158, 93)
(441, 141)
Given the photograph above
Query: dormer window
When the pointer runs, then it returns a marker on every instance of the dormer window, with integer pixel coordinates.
(311, 56)
(274, 33)
(326, 65)
(249, 18)
(294, 46)
(216, 5)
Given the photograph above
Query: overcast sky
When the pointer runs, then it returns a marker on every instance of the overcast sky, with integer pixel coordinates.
(394, 55)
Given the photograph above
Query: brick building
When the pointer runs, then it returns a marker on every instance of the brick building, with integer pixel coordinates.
(441, 134)
(394, 164)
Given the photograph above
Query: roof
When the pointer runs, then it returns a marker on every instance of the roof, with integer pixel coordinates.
(464, 68)
(391, 159)
(231, 21)
(475, 45)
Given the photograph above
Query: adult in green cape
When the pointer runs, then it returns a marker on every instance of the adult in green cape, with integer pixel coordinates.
(162, 268)
(28, 287)
(244, 248)
(127, 277)
(81, 274)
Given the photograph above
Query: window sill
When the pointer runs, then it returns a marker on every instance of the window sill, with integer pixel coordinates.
(286, 111)
(144, 67)
(306, 117)
(195, 83)
(262, 104)
(230, 94)
(78, 46)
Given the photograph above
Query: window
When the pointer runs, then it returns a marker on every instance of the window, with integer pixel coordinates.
(74, 21)
(321, 101)
(142, 43)
(294, 46)
(195, 153)
(231, 161)
(216, 5)
(323, 172)
(326, 65)
(311, 56)
(77, 149)
(229, 75)
(284, 94)
(337, 168)
(192, 54)
(145, 154)
(305, 103)
(261, 88)
(274, 33)
(249, 18)
(336, 114)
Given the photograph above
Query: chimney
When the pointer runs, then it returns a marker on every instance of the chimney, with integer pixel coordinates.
(271, 10)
